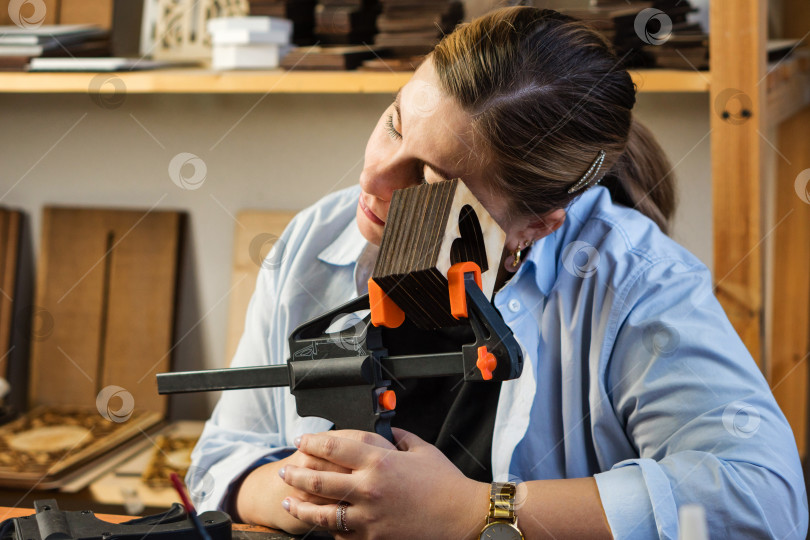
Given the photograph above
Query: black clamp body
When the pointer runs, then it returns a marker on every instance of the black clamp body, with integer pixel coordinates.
(341, 376)
(50, 523)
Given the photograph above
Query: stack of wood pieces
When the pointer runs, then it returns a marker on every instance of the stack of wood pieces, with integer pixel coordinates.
(431, 227)
(405, 63)
(683, 50)
(300, 12)
(345, 22)
(337, 57)
(413, 27)
(639, 37)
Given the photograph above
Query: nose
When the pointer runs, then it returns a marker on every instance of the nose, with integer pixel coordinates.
(384, 173)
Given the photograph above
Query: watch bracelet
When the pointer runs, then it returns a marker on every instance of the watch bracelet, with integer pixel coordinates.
(502, 502)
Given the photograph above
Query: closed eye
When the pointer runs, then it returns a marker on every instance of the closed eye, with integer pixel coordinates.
(389, 125)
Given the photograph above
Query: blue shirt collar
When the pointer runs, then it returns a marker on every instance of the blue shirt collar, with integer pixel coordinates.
(545, 257)
(346, 248)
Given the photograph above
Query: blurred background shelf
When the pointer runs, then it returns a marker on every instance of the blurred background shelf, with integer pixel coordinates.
(201, 81)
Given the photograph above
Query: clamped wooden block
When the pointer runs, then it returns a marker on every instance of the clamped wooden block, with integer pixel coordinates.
(431, 228)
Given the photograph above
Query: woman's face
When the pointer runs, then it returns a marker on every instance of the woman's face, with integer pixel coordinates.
(424, 136)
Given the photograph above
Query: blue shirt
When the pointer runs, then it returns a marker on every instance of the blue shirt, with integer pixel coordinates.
(633, 374)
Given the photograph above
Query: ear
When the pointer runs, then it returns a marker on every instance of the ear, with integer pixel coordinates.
(542, 226)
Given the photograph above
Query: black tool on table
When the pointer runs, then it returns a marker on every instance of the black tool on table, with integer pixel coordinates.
(50, 523)
(345, 377)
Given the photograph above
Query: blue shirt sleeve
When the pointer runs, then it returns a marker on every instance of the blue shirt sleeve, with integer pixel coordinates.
(245, 429)
(705, 424)
(249, 428)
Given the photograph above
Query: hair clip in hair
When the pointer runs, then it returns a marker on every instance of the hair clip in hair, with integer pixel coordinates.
(590, 174)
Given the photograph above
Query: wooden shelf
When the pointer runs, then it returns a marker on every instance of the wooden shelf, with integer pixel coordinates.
(671, 80)
(201, 81)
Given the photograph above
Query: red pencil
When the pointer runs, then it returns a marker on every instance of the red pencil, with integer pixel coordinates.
(178, 486)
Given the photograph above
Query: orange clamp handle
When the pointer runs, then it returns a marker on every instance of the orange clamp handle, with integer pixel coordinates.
(388, 400)
(384, 312)
(458, 293)
(486, 363)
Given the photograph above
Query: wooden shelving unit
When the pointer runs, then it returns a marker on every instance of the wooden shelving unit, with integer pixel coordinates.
(201, 81)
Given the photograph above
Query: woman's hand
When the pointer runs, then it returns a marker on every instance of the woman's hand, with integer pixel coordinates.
(258, 500)
(415, 492)
(259, 497)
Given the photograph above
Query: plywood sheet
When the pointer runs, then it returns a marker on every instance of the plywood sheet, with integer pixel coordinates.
(257, 232)
(106, 302)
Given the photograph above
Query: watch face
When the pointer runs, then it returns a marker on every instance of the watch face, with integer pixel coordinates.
(501, 531)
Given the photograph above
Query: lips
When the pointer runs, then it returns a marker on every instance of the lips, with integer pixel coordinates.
(369, 214)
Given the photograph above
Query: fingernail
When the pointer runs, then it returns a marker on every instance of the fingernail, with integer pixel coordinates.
(282, 471)
(297, 442)
(286, 504)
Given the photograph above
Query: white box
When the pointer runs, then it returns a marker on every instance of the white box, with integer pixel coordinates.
(240, 36)
(247, 56)
(253, 24)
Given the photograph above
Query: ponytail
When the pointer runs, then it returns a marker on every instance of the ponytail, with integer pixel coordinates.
(642, 178)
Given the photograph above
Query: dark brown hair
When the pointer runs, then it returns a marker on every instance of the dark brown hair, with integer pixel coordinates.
(546, 94)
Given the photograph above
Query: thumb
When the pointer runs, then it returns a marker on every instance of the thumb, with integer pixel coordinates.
(406, 441)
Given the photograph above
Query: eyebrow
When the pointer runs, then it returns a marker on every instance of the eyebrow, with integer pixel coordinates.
(435, 169)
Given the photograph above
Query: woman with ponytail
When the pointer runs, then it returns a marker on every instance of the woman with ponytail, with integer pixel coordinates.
(637, 397)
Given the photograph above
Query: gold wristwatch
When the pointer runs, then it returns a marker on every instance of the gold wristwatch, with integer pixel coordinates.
(501, 520)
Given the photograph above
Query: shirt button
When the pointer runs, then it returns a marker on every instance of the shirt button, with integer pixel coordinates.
(514, 306)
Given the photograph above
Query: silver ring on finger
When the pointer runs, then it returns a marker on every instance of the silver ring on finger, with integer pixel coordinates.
(340, 513)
